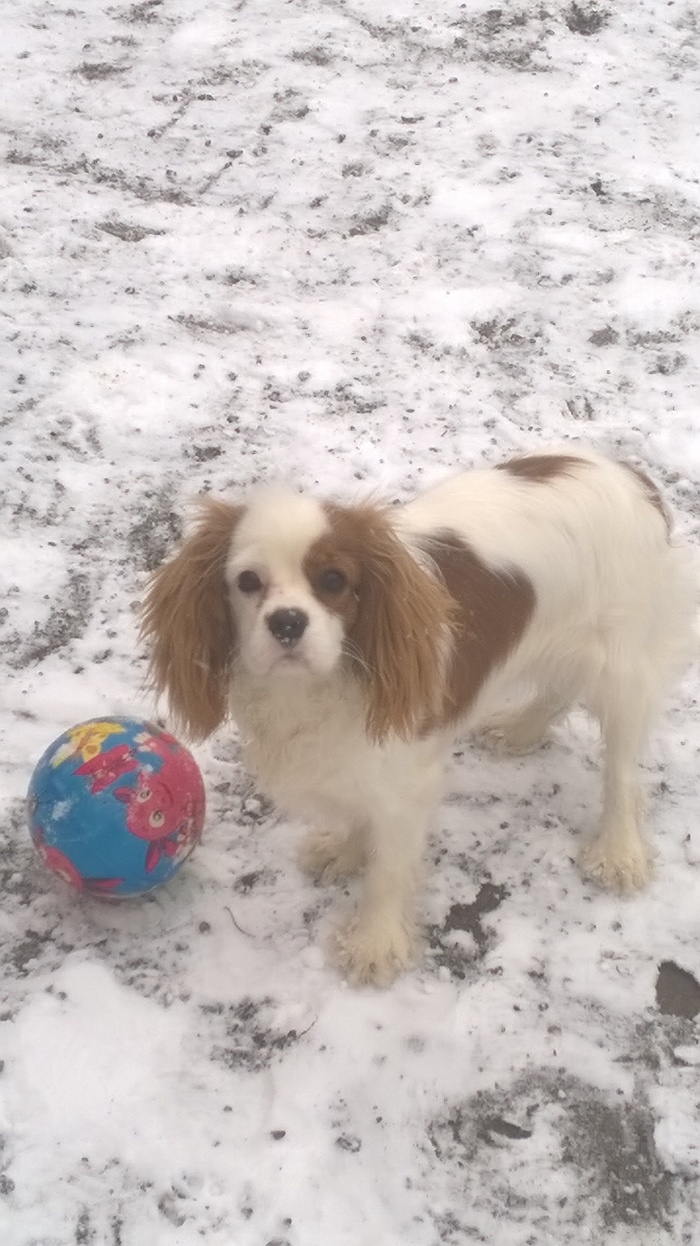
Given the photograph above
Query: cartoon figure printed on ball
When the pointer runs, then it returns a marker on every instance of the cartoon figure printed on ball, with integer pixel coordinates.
(115, 816)
(86, 739)
(106, 768)
(154, 808)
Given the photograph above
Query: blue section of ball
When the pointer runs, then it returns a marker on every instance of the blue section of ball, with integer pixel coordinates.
(115, 806)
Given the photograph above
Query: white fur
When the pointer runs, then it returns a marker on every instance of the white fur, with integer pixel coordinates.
(615, 603)
(275, 533)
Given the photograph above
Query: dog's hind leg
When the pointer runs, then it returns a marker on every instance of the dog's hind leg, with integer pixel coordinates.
(624, 703)
(525, 729)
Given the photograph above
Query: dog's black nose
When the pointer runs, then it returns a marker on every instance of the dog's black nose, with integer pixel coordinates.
(287, 626)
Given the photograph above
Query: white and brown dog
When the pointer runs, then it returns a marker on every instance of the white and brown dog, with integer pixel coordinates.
(350, 643)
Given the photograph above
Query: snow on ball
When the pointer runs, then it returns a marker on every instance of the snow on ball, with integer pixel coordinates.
(115, 806)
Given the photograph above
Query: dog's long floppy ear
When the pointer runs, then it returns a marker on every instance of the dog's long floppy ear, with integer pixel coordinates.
(188, 622)
(401, 635)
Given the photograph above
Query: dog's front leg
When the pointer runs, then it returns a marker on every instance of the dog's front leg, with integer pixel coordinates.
(382, 938)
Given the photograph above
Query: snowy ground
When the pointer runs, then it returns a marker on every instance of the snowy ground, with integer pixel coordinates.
(353, 244)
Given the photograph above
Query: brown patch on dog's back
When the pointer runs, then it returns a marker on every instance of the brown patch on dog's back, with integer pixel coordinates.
(651, 493)
(541, 468)
(494, 609)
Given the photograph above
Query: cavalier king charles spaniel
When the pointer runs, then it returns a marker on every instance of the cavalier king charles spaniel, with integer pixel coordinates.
(351, 643)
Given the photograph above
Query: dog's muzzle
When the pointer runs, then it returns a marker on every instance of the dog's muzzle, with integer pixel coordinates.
(287, 625)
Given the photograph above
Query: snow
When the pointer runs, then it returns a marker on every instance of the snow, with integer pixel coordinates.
(348, 245)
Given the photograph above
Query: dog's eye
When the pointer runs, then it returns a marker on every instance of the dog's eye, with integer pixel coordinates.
(249, 582)
(332, 581)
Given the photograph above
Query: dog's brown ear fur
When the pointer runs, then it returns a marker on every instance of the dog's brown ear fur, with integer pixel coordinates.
(401, 633)
(187, 621)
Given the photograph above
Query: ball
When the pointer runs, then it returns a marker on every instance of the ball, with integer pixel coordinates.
(115, 806)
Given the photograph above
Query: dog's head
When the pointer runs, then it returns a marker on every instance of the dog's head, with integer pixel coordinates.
(287, 587)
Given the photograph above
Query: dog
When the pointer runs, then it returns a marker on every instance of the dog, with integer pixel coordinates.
(351, 643)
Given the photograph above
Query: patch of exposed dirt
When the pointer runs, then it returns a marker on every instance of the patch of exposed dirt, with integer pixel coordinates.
(248, 1040)
(608, 1144)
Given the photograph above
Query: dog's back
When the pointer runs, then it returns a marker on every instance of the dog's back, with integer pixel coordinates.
(594, 540)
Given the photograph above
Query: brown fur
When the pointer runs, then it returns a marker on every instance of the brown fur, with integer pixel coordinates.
(332, 552)
(541, 467)
(651, 493)
(494, 608)
(398, 620)
(188, 621)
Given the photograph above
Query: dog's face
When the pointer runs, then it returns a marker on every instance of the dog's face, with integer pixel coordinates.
(286, 586)
(293, 580)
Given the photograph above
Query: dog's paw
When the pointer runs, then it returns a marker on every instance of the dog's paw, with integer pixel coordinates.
(327, 856)
(513, 734)
(374, 954)
(615, 868)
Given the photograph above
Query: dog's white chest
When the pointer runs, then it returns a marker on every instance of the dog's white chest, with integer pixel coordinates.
(302, 740)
